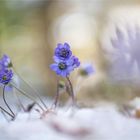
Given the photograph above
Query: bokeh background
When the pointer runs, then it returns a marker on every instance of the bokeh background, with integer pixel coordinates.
(105, 33)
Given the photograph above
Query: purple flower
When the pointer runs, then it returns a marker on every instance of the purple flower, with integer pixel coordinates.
(87, 69)
(124, 57)
(76, 62)
(64, 61)
(63, 52)
(5, 76)
(5, 62)
(62, 68)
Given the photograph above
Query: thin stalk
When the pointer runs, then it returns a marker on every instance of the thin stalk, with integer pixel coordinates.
(6, 101)
(71, 89)
(19, 101)
(57, 94)
(24, 93)
(35, 92)
(7, 112)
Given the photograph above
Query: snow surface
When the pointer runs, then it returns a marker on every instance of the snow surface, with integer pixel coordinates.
(103, 122)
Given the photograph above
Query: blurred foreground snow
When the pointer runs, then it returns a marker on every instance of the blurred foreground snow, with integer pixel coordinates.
(103, 122)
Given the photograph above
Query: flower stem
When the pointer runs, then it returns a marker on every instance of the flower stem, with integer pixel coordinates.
(19, 101)
(35, 92)
(7, 112)
(71, 90)
(24, 93)
(57, 94)
(6, 102)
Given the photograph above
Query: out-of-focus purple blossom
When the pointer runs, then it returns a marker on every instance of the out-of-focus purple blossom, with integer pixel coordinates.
(119, 42)
(134, 44)
(125, 61)
(87, 69)
(5, 62)
(76, 62)
(63, 52)
(5, 76)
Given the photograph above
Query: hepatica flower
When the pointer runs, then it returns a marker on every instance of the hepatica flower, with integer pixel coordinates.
(6, 73)
(5, 76)
(63, 52)
(5, 61)
(62, 68)
(64, 61)
(76, 62)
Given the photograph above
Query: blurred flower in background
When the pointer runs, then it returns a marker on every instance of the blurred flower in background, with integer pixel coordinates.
(134, 45)
(125, 62)
(122, 45)
(5, 61)
(87, 69)
(122, 67)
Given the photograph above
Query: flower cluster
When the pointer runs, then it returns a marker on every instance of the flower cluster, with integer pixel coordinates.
(6, 73)
(65, 62)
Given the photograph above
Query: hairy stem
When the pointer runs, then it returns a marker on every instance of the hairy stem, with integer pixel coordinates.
(24, 93)
(71, 90)
(19, 101)
(57, 94)
(35, 92)
(6, 102)
(7, 112)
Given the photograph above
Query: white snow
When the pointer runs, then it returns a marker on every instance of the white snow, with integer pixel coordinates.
(103, 122)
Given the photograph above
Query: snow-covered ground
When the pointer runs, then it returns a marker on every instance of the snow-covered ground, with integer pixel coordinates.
(106, 121)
